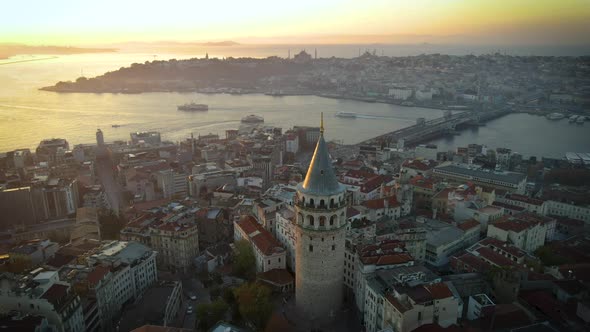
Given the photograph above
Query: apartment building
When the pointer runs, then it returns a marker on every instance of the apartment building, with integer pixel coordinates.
(268, 251)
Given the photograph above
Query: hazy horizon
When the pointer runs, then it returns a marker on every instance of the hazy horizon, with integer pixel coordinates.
(487, 22)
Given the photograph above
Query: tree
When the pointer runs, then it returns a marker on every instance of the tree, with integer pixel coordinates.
(230, 298)
(244, 260)
(254, 304)
(549, 258)
(210, 313)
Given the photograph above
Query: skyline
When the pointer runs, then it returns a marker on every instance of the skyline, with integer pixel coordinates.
(68, 23)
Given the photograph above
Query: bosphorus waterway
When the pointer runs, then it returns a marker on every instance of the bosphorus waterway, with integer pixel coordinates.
(28, 115)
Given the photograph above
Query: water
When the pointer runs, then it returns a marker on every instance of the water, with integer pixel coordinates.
(28, 115)
(529, 135)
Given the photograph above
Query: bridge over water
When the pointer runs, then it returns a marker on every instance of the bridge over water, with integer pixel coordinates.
(425, 130)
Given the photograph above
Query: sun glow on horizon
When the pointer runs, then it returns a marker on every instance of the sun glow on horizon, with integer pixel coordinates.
(68, 22)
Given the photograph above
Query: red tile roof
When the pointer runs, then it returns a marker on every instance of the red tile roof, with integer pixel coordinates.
(525, 199)
(259, 236)
(510, 223)
(475, 263)
(248, 224)
(422, 182)
(375, 183)
(379, 203)
(142, 206)
(359, 174)
(439, 291)
(97, 274)
(280, 277)
(469, 224)
(55, 293)
(394, 259)
(421, 165)
(397, 304)
(419, 294)
(494, 257)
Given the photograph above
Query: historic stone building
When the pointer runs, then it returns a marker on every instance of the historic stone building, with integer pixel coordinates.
(320, 236)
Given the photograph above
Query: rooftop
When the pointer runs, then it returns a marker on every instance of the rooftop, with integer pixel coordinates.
(321, 179)
(126, 252)
(277, 277)
(381, 203)
(421, 165)
(260, 237)
(509, 177)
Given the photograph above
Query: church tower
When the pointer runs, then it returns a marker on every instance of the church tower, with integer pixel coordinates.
(320, 235)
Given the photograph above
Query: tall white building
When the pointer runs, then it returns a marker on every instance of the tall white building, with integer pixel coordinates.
(320, 237)
(526, 233)
(128, 269)
(173, 183)
(285, 233)
(292, 143)
(43, 293)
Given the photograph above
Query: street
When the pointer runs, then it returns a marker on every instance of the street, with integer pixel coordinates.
(192, 286)
(106, 176)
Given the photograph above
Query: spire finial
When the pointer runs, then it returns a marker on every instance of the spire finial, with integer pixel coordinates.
(322, 124)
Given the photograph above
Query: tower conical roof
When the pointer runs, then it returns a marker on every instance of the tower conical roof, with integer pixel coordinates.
(321, 179)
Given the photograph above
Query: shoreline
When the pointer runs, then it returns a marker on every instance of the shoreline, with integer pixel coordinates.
(321, 95)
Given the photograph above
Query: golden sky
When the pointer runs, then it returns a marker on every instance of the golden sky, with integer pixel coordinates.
(77, 22)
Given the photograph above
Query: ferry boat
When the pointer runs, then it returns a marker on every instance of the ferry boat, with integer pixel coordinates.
(555, 116)
(346, 114)
(192, 107)
(252, 119)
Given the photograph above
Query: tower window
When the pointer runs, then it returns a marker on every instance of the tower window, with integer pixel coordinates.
(310, 247)
(333, 247)
(322, 239)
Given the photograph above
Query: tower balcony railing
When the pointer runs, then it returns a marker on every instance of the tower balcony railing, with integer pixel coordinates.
(324, 207)
(326, 227)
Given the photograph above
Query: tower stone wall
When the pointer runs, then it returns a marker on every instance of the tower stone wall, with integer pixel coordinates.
(320, 207)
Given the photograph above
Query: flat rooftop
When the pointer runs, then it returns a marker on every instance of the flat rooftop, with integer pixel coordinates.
(509, 177)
